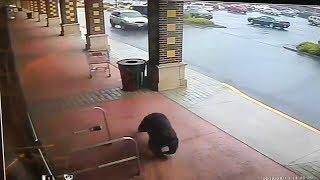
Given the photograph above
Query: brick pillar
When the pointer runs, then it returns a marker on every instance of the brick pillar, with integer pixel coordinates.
(23, 4)
(96, 37)
(69, 17)
(165, 67)
(42, 10)
(19, 5)
(34, 8)
(52, 13)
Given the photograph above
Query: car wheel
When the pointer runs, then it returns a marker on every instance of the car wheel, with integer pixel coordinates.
(112, 23)
(123, 26)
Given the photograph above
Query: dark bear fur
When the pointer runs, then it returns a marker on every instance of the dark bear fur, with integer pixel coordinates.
(161, 134)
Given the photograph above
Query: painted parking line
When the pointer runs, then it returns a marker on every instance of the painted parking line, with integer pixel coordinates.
(271, 109)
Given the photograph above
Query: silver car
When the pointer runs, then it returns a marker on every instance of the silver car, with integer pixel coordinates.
(128, 19)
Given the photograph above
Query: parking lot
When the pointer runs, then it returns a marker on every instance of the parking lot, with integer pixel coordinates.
(251, 58)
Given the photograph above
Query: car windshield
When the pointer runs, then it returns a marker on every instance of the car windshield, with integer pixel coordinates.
(131, 14)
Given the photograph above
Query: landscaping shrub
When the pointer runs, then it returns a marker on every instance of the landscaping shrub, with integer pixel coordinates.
(309, 47)
(197, 21)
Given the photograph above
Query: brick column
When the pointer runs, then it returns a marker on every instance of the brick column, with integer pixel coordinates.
(69, 17)
(18, 4)
(52, 13)
(23, 4)
(34, 8)
(165, 67)
(96, 37)
(42, 10)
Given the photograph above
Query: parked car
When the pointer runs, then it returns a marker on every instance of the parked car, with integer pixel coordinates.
(208, 6)
(269, 21)
(190, 6)
(260, 8)
(128, 18)
(194, 6)
(314, 20)
(143, 9)
(288, 12)
(271, 11)
(219, 6)
(238, 9)
(199, 13)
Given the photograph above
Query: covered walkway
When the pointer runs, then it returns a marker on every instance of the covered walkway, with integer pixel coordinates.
(53, 72)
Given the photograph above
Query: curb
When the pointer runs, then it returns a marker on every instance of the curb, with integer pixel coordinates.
(206, 26)
(294, 49)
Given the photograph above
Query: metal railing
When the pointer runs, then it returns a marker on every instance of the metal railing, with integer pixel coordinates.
(36, 140)
(2, 143)
(136, 157)
(109, 141)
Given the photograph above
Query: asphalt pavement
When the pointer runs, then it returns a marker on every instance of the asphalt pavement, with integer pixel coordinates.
(250, 58)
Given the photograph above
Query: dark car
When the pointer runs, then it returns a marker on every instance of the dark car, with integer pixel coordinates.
(269, 21)
(198, 13)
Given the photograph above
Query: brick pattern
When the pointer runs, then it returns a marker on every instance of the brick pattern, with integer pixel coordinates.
(68, 11)
(94, 17)
(200, 88)
(31, 6)
(52, 8)
(23, 4)
(85, 99)
(35, 6)
(308, 171)
(170, 31)
(27, 5)
(42, 6)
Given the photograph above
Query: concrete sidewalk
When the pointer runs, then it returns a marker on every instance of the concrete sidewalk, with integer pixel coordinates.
(272, 133)
(53, 75)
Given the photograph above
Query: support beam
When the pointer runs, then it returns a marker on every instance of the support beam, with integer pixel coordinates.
(69, 18)
(52, 13)
(165, 67)
(96, 37)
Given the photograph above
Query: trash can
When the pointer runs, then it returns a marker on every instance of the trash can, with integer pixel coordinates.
(132, 73)
(29, 15)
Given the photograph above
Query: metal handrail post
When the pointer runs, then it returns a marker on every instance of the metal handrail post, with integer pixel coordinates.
(104, 119)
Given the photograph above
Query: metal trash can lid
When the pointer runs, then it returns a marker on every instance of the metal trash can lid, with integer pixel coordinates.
(131, 62)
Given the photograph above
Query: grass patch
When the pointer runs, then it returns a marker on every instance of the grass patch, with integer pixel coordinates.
(309, 47)
(197, 21)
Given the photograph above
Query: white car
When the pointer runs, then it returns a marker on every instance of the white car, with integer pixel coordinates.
(200, 5)
(128, 19)
(208, 7)
(271, 11)
(194, 6)
(314, 20)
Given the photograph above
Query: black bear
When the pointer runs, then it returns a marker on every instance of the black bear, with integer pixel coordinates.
(163, 139)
